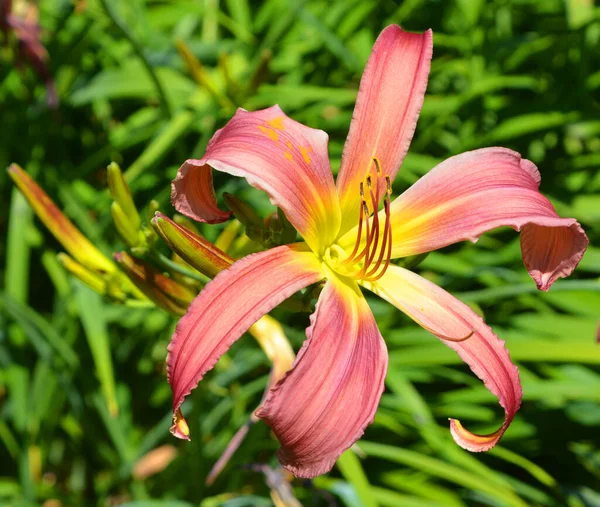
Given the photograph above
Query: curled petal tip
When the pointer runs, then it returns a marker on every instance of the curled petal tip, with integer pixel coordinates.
(445, 316)
(275, 154)
(471, 441)
(180, 428)
(550, 253)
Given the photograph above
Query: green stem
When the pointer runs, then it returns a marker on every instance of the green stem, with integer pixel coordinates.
(182, 270)
(164, 105)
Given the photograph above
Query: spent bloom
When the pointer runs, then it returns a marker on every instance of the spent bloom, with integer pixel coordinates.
(26, 31)
(328, 397)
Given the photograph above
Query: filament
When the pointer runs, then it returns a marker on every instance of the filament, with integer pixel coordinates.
(360, 225)
(376, 254)
(375, 220)
(387, 238)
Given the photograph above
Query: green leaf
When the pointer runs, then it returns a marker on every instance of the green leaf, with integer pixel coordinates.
(352, 470)
(90, 310)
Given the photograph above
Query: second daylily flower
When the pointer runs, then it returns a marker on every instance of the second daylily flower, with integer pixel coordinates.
(323, 404)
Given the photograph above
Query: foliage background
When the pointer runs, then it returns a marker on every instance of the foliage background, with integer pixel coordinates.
(522, 74)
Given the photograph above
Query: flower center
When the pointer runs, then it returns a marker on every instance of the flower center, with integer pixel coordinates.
(370, 257)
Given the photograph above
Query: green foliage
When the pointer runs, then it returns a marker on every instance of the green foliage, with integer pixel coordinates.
(83, 393)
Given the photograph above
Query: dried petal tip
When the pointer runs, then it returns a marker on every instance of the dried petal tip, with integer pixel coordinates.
(471, 441)
(180, 428)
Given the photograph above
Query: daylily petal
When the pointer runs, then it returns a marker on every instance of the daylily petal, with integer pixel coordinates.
(325, 402)
(276, 154)
(477, 191)
(385, 116)
(226, 308)
(464, 331)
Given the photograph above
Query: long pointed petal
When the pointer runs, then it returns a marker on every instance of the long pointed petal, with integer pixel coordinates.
(276, 154)
(388, 105)
(477, 191)
(226, 308)
(464, 331)
(324, 403)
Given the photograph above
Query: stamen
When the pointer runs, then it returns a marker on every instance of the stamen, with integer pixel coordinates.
(365, 252)
(371, 255)
(360, 226)
(369, 271)
(387, 237)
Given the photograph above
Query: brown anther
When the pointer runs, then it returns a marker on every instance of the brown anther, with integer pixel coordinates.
(377, 165)
(388, 182)
(369, 181)
(362, 189)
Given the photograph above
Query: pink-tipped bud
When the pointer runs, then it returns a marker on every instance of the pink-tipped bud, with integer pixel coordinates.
(191, 247)
(59, 225)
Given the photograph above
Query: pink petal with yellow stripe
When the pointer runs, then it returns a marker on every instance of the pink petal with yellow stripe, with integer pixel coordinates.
(276, 154)
(477, 191)
(324, 403)
(226, 308)
(385, 116)
(464, 331)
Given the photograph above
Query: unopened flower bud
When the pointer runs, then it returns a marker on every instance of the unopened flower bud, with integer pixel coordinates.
(191, 247)
(59, 225)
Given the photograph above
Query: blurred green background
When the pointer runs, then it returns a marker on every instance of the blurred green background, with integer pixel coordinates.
(523, 74)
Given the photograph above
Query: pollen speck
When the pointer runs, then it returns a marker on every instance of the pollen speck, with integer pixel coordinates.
(277, 123)
(271, 133)
(305, 156)
(289, 145)
(288, 155)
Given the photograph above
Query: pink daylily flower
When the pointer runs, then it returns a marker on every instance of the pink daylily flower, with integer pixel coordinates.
(329, 396)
